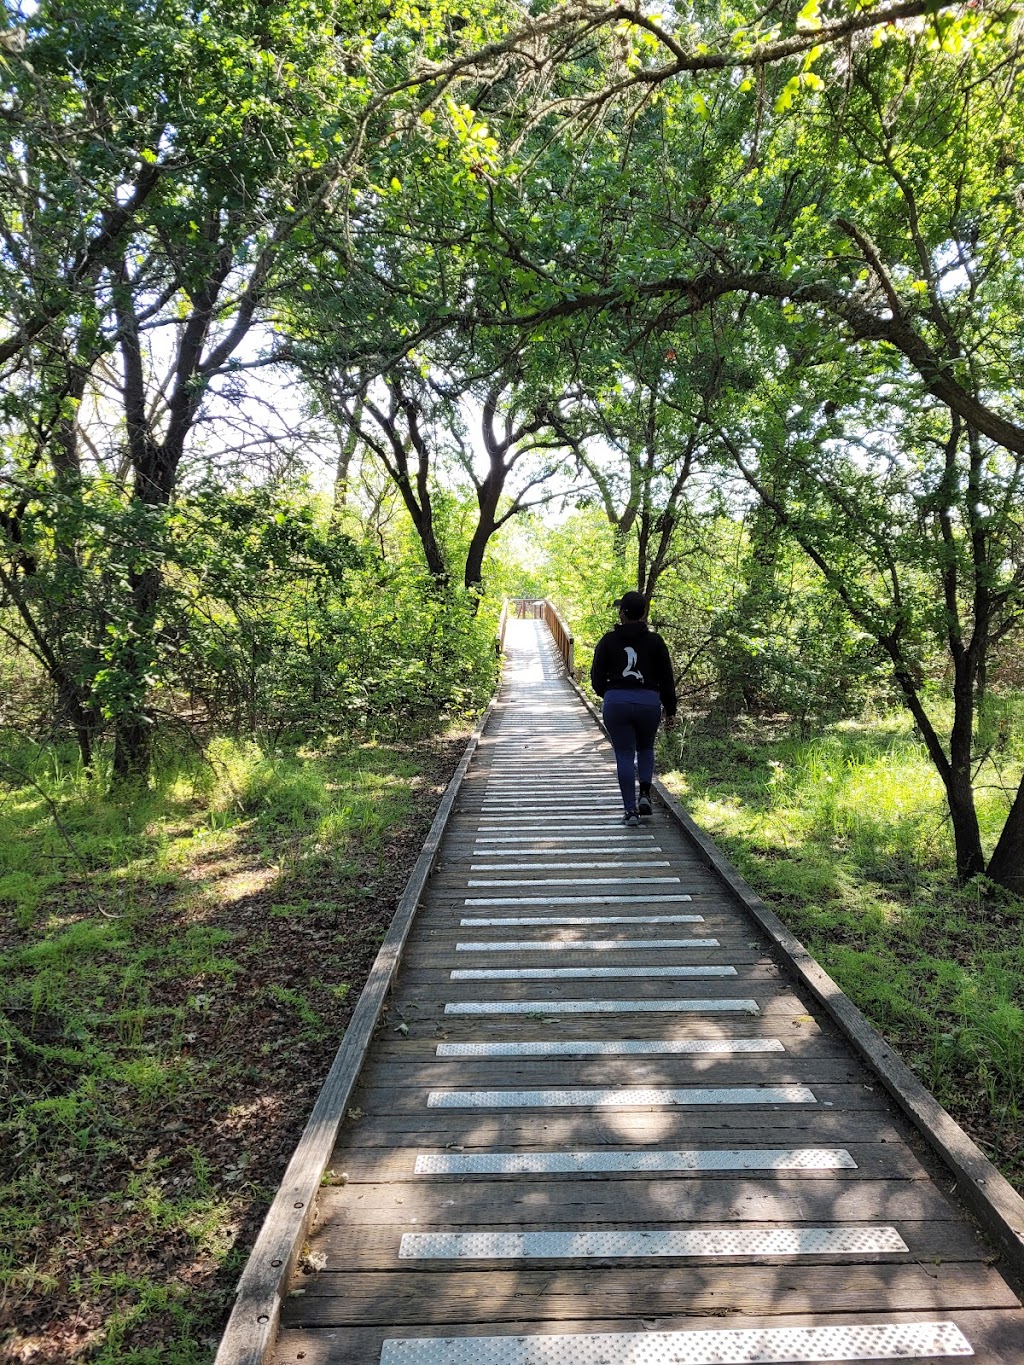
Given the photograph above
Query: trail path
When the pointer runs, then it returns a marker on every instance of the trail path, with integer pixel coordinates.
(602, 1127)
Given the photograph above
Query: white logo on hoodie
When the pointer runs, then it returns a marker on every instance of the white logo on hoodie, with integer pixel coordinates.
(631, 670)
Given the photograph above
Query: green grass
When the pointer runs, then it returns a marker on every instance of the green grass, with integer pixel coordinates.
(176, 972)
(845, 835)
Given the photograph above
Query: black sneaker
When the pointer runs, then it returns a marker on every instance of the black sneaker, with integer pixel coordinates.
(644, 807)
(631, 818)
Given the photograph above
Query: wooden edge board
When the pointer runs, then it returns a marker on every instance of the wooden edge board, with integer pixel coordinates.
(252, 1328)
(979, 1184)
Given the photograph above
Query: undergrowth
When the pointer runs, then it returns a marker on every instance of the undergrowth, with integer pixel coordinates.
(845, 835)
(177, 969)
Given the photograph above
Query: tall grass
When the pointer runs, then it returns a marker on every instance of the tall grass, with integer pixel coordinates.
(173, 968)
(846, 834)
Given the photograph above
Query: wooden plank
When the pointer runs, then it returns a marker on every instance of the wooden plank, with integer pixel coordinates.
(587, 1028)
(549, 881)
(446, 923)
(467, 842)
(790, 1029)
(470, 1130)
(488, 1297)
(769, 1068)
(252, 1326)
(772, 998)
(465, 974)
(875, 1161)
(466, 900)
(388, 1101)
(443, 957)
(568, 1203)
(995, 1334)
(376, 1247)
(435, 969)
(686, 939)
(443, 926)
(430, 1008)
(422, 1045)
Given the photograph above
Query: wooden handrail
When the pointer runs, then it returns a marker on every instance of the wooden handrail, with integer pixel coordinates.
(561, 633)
(542, 609)
(499, 640)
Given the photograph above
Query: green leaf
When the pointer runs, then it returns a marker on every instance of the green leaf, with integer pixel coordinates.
(789, 93)
(810, 16)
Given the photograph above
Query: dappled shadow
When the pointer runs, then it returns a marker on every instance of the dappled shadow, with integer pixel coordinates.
(170, 1071)
(909, 1254)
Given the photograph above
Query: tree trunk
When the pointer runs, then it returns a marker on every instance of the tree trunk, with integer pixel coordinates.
(642, 543)
(488, 495)
(133, 750)
(955, 771)
(1006, 866)
(346, 450)
(431, 550)
(970, 860)
(474, 575)
(82, 723)
(133, 728)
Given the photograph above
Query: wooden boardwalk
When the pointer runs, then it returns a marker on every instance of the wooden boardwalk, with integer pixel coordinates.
(600, 1125)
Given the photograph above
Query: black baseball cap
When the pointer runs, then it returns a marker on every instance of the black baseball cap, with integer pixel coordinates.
(632, 605)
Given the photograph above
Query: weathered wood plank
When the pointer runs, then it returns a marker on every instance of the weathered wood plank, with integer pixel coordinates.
(392, 1101)
(470, 1130)
(521, 1026)
(376, 1247)
(422, 1045)
(494, 1296)
(875, 1161)
(745, 1069)
(995, 1334)
(569, 1203)
(771, 999)
(579, 955)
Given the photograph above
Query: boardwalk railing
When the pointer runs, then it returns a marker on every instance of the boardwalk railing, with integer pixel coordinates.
(560, 632)
(541, 609)
(499, 635)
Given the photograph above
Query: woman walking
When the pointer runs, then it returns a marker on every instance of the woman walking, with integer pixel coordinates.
(632, 672)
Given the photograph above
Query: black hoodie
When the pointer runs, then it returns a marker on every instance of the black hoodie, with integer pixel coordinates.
(633, 656)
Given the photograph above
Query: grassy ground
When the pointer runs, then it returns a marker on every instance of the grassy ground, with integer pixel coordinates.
(177, 972)
(845, 836)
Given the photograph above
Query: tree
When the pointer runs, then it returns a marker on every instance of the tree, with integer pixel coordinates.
(902, 482)
(914, 527)
(639, 435)
(865, 207)
(163, 178)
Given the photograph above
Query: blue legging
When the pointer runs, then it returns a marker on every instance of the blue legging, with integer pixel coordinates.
(631, 717)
